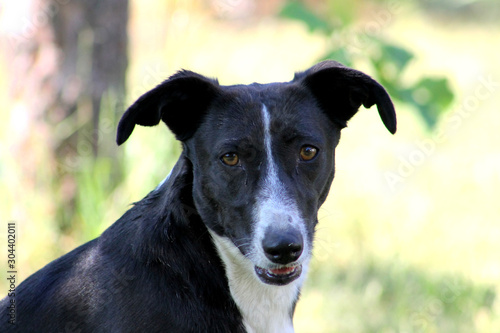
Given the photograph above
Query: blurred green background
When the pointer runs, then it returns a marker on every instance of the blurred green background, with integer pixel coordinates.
(409, 238)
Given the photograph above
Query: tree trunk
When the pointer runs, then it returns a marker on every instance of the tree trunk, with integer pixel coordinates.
(67, 59)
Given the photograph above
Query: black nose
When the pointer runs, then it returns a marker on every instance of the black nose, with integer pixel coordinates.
(282, 247)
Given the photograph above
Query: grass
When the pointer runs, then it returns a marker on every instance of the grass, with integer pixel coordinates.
(377, 296)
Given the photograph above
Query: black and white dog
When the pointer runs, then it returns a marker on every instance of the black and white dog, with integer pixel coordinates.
(223, 244)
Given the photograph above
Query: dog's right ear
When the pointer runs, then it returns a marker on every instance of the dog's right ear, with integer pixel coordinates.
(181, 102)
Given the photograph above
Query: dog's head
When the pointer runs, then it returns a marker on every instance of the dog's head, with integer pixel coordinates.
(263, 155)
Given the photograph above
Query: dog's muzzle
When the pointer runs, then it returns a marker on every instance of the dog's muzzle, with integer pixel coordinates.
(283, 249)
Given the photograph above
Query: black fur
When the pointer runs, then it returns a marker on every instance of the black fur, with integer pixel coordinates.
(156, 268)
(341, 91)
(181, 102)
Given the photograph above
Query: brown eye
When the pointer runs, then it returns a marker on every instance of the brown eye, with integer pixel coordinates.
(307, 153)
(230, 159)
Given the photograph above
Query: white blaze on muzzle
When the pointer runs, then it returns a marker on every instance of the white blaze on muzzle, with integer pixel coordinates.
(276, 212)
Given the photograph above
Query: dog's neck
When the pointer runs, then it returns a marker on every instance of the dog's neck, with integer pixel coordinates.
(265, 308)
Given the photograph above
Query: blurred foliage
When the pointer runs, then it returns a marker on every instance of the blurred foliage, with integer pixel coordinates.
(482, 11)
(430, 96)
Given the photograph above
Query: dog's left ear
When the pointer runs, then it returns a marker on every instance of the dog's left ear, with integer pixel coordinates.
(181, 102)
(340, 91)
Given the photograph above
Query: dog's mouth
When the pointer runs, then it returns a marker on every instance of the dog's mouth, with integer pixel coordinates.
(278, 276)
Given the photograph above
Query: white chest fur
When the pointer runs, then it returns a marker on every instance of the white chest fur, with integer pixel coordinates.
(265, 308)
